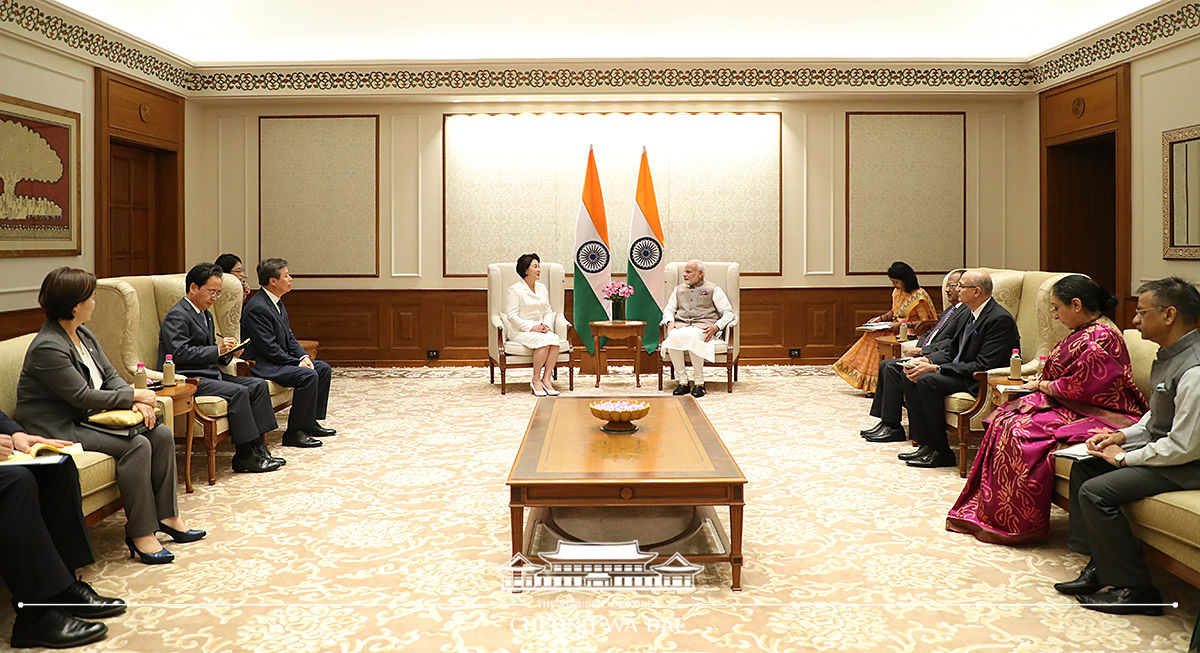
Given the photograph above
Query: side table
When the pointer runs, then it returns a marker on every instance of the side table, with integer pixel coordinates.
(182, 395)
(620, 330)
(309, 346)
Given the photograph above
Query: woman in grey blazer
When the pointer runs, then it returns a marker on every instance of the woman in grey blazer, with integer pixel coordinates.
(66, 377)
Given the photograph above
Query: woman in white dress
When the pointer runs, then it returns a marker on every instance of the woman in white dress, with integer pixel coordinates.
(531, 319)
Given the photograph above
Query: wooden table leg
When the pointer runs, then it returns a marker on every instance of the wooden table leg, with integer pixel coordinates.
(637, 360)
(596, 346)
(190, 430)
(735, 545)
(518, 528)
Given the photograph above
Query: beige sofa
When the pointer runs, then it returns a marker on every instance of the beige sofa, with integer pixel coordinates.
(129, 311)
(97, 471)
(1168, 524)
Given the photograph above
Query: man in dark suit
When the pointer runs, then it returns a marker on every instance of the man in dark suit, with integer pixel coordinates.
(889, 392)
(986, 340)
(187, 334)
(279, 357)
(43, 538)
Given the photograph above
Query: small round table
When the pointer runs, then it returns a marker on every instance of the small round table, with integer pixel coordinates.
(309, 346)
(619, 330)
(182, 397)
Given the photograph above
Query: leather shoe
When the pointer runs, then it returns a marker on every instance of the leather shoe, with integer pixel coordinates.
(254, 462)
(266, 453)
(1124, 600)
(300, 439)
(182, 537)
(86, 603)
(682, 389)
(1087, 583)
(920, 452)
(319, 431)
(697, 391)
(888, 434)
(934, 459)
(53, 628)
(873, 430)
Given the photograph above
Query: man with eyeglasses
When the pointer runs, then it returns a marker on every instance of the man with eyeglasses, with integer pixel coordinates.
(986, 340)
(1161, 453)
(888, 403)
(188, 335)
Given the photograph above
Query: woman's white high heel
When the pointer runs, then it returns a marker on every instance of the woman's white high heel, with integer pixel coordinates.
(536, 392)
(550, 390)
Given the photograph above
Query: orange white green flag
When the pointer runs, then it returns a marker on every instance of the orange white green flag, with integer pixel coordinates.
(592, 258)
(646, 261)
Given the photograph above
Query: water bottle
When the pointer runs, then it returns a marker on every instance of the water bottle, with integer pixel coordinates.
(1014, 366)
(139, 377)
(903, 330)
(169, 371)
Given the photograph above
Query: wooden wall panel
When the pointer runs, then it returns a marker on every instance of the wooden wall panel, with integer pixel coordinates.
(398, 327)
(18, 323)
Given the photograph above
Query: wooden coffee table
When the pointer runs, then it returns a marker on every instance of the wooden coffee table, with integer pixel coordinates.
(675, 458)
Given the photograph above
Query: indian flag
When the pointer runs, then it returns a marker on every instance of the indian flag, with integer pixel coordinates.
(646, 258)
(592, 258)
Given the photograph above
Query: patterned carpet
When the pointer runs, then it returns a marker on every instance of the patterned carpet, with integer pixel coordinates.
(389, 539)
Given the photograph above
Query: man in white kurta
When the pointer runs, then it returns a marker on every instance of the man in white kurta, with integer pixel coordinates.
(696, 312)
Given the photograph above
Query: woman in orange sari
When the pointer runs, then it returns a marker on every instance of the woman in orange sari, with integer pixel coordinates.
(859, 366)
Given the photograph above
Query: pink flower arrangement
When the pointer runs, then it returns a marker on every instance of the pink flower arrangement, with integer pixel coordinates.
(619, 405)
(616, 290)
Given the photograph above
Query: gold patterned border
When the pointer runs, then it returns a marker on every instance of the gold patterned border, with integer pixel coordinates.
(71, 35)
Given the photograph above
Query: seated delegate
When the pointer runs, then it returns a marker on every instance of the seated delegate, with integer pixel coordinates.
(232, 264)
(1087, 384)
(531, 319)
(65, 378)
(696, 312)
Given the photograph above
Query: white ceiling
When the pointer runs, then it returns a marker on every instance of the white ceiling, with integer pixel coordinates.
(262, 31)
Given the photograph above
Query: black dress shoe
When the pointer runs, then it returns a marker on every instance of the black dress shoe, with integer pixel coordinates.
(1124, 600)
(935, 459)
(86, 603)
(182, 537)
(254, 462)
(1087, 583)
(53, 628)
(319, 431)
(888, 434)
(300, 439)
(873, 430)
(697, 391)
(922, 451)
(266, 453)
(682, 389)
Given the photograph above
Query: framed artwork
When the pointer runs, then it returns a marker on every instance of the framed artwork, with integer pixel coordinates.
(39, 180)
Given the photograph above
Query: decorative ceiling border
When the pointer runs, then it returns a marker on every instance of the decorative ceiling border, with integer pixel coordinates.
(74, 37)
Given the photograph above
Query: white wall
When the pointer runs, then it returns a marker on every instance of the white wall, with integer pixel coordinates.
(1002, 181)
(1165, 90)
(38, 75)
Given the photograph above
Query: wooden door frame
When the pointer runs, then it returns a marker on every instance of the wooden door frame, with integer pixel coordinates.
(168, 172)
(1122, 130)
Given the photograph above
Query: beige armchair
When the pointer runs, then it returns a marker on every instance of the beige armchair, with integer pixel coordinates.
(728, 277)
(505, 353)
(1027, 296)
(129, 311)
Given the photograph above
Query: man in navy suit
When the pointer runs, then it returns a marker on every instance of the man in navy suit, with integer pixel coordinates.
(279, 357)
(187, 334)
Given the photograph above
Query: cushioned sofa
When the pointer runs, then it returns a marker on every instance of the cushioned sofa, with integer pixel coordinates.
(97, 471)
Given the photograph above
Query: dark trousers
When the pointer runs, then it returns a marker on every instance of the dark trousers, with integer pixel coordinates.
(1101, 530)
(926, 401)
(889, 392)
(310, 397)
(42, 533)
(250, 411)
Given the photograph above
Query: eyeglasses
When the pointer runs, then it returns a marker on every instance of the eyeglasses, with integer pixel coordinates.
(1141, 312)
(954, 285)
(963, 285)
(213, 293)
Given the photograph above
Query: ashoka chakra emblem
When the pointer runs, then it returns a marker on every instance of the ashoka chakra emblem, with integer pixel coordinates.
(592, 257)
(645, 253)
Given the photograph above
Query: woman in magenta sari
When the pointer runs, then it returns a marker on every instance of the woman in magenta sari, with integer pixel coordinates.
(1087, 383)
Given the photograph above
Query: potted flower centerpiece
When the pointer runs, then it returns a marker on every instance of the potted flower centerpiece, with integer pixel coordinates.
(617, 292)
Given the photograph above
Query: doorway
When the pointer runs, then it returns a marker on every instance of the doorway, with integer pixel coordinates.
(1082, 208)
(131, 216)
